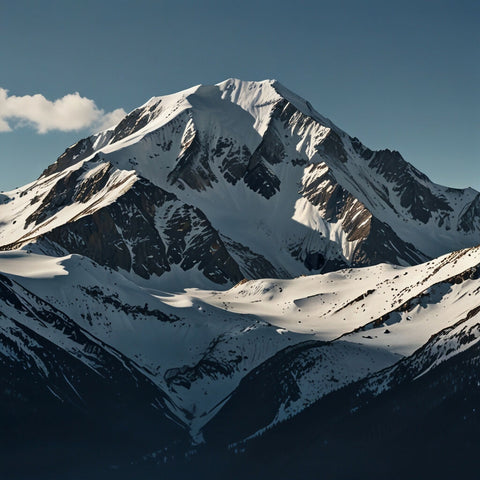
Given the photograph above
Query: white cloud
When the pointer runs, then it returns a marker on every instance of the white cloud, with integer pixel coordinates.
(4, 126)
(71, 112)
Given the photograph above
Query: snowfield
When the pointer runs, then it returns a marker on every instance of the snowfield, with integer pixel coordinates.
(199, 344)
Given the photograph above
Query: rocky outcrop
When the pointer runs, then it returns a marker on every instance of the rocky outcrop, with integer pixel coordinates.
(69, 189)
(192, 168)
(376, 241)
(134, 121)
(470, 218)
(147, 230)
(409, 185)
(72, 155)
(382, 244)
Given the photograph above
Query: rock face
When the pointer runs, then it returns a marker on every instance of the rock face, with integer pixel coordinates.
(470, 218)
(240, 179)
(147, 230)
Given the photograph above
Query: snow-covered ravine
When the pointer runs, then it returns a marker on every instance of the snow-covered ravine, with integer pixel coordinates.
(199, 344)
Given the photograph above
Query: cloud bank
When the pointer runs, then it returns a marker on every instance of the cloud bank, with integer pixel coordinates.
(71, 112)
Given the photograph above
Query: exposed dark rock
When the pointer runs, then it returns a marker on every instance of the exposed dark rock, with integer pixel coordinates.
(355, 300)
(335, 202)
(314, 260)
(58, 197)
(361, 149)
(95, 236)
(377, 239)
(382, 244)
(121, 235)
(414, 195)
(253, 264)
(192, 241)
(470, 218)
(268, 386)
(93, 184)
(71, 156)
(431, 417)
(147, 234)
(271, 148)
(133, 310)
(193, 164)
(235, 163)
(207, 366)
(291, 118)
(69, 189)
(325, 193)
(299, 161)
(261, 179)
(332, 148)
(133, 122)
(125, 235)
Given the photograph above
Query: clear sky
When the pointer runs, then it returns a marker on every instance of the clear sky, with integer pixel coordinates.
(399, 75)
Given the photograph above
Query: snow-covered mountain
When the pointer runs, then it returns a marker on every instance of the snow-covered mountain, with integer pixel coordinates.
(219, 270)
(231, 181)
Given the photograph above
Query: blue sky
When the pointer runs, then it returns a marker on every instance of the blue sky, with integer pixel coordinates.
(398, 75)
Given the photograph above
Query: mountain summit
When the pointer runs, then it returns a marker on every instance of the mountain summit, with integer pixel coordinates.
(237, 180)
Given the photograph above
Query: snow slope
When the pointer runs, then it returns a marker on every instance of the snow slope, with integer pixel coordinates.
(334, 304)
(431, 317)
(199, 345)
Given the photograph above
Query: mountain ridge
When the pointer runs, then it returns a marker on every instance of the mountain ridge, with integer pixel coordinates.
(272, 163)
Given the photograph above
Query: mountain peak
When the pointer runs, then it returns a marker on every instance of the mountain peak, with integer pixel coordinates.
(255, 97)
(271, 90)
(230, 169)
